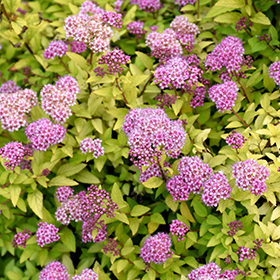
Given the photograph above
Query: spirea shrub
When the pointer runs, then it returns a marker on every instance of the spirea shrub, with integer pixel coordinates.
(139, 140)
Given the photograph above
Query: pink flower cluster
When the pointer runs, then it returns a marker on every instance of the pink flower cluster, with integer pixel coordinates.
(118, 5)
(165, 100)
(149, 132)
(90, 29)
(179, 229)
(156, 248)
(178, 72)
(250, 174)
(91, 224)
(184, 2)
(246, 253)
(185, 31)
(136, 27)
(21, 238)
(63, 193)
(43, 133)
(111, 247)
(274, 72)
(198, 97)
(46, 233)
(78, 47)
(9, 87)
(86, 274)
(92, 146)
(15, 154)
(211, 271)
(235, 140)
(147, 5)
(113, 19)
(54, 271)
(223, 95)
(153, 171)
(56, 100)
(113, 61)
(14, 108)
(234, 227)
(241, 24)
(55, 48)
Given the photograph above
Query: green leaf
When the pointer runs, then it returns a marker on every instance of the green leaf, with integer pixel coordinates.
(130, 15)
(186, 213)
(228, 18)
(157, 218)
(212, 220)
(275, 214)
(267, 81)
(199, 209)
(230, 3)
(62, 181)
(97, 124)
(139, 210)
(173, 205)
(11, 5)
(78, 59)
(134, 225)
(260, 18)
(121, 265)
(127, 250)
(70, 169)
(68, 239)
(265, 101)
(117, 196)
(35, 201)
(86, 177)
(153, 183)
(146, 60)
(42, 256)
(15, 192)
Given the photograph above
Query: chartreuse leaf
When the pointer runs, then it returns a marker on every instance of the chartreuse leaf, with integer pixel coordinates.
(121, 265)
(157, 218)
(146, 60)
(35, 202)
(134, 225)
(275, 214)
(173, 205)
(62, 181)
(153, 183)
(186, 213)
(11, 5)
(68, 239)
(117, 196)
(139, 210)
(15, 192)
(199, 209)
(70, 169)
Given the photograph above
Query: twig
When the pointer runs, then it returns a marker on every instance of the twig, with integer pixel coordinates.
(65, 66)
(123, 94)
(242, 88)
(239, 118)
(142, 91)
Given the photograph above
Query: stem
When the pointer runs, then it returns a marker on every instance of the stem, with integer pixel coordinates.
(239, 118)
(248, 32)
(242, 88)
(5, 13)
(197, 11)
(161, 171)
(65, 66)
(142, 91)
(175, 91)
(199, 126)
(119, 87)
(254, 7)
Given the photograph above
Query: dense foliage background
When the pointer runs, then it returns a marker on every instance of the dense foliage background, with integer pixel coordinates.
(216, 233)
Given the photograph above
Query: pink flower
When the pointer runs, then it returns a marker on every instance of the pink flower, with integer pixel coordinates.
(55, 48)
(46, 233)
(92, 146)
(54, 271)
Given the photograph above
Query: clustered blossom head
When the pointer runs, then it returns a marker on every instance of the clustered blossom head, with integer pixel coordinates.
(92, 146)
(136, 27)
(265, 38)
(223, 95)
(178, 72)
(46, 233)
(215, 188)
(113, 19)
(246, 253)
(235, 140)
(150, 131)
(111, 247)
(241, 24)
(118, 5)
(56, 100)
(14, 108)
(21, 238)
(156, 248)
(55, 48)
(63, 193)
(15, 154)
(274, 72)
(54, 270)
(9, 87)
(153, 171)
(165, 100)
(198, 97)
(185, 31)
(258, 243)
(43, 134)
(93, 30)
(92, 224)
(78, 47)
(86, 274)
(147, 5)
(234, 227)
(179, 229)
(114, 62)
(250, 174)
(182, 3)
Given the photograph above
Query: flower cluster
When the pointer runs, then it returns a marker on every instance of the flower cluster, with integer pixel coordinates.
(78, 47)
(236, 140)
(198, 97)
(118, 5)
(53, 271)
(156, 248)
(215, 188)
(63, 193)
(86, 274)
(234, 227)
(9, 87)
(274, 72)
(147, 5)
(249, 173)
(165, 100)
(56, 100)
(241, 24)
(91, 224)
(92, 146)
(55, 48)
(20, 238)
(178, 72)
(179, 229)
(43, 133)
(223, 95)
(93, 30)
(111, 247)
(265, 38)
(153, 171)
(46, 233)
(258, 243)
(150, 131)
(15, 154)
(14, 108)
(182, 3)
(185, 31)
(246, 253)
(113, 19)
(136, 27)
(114, 62)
